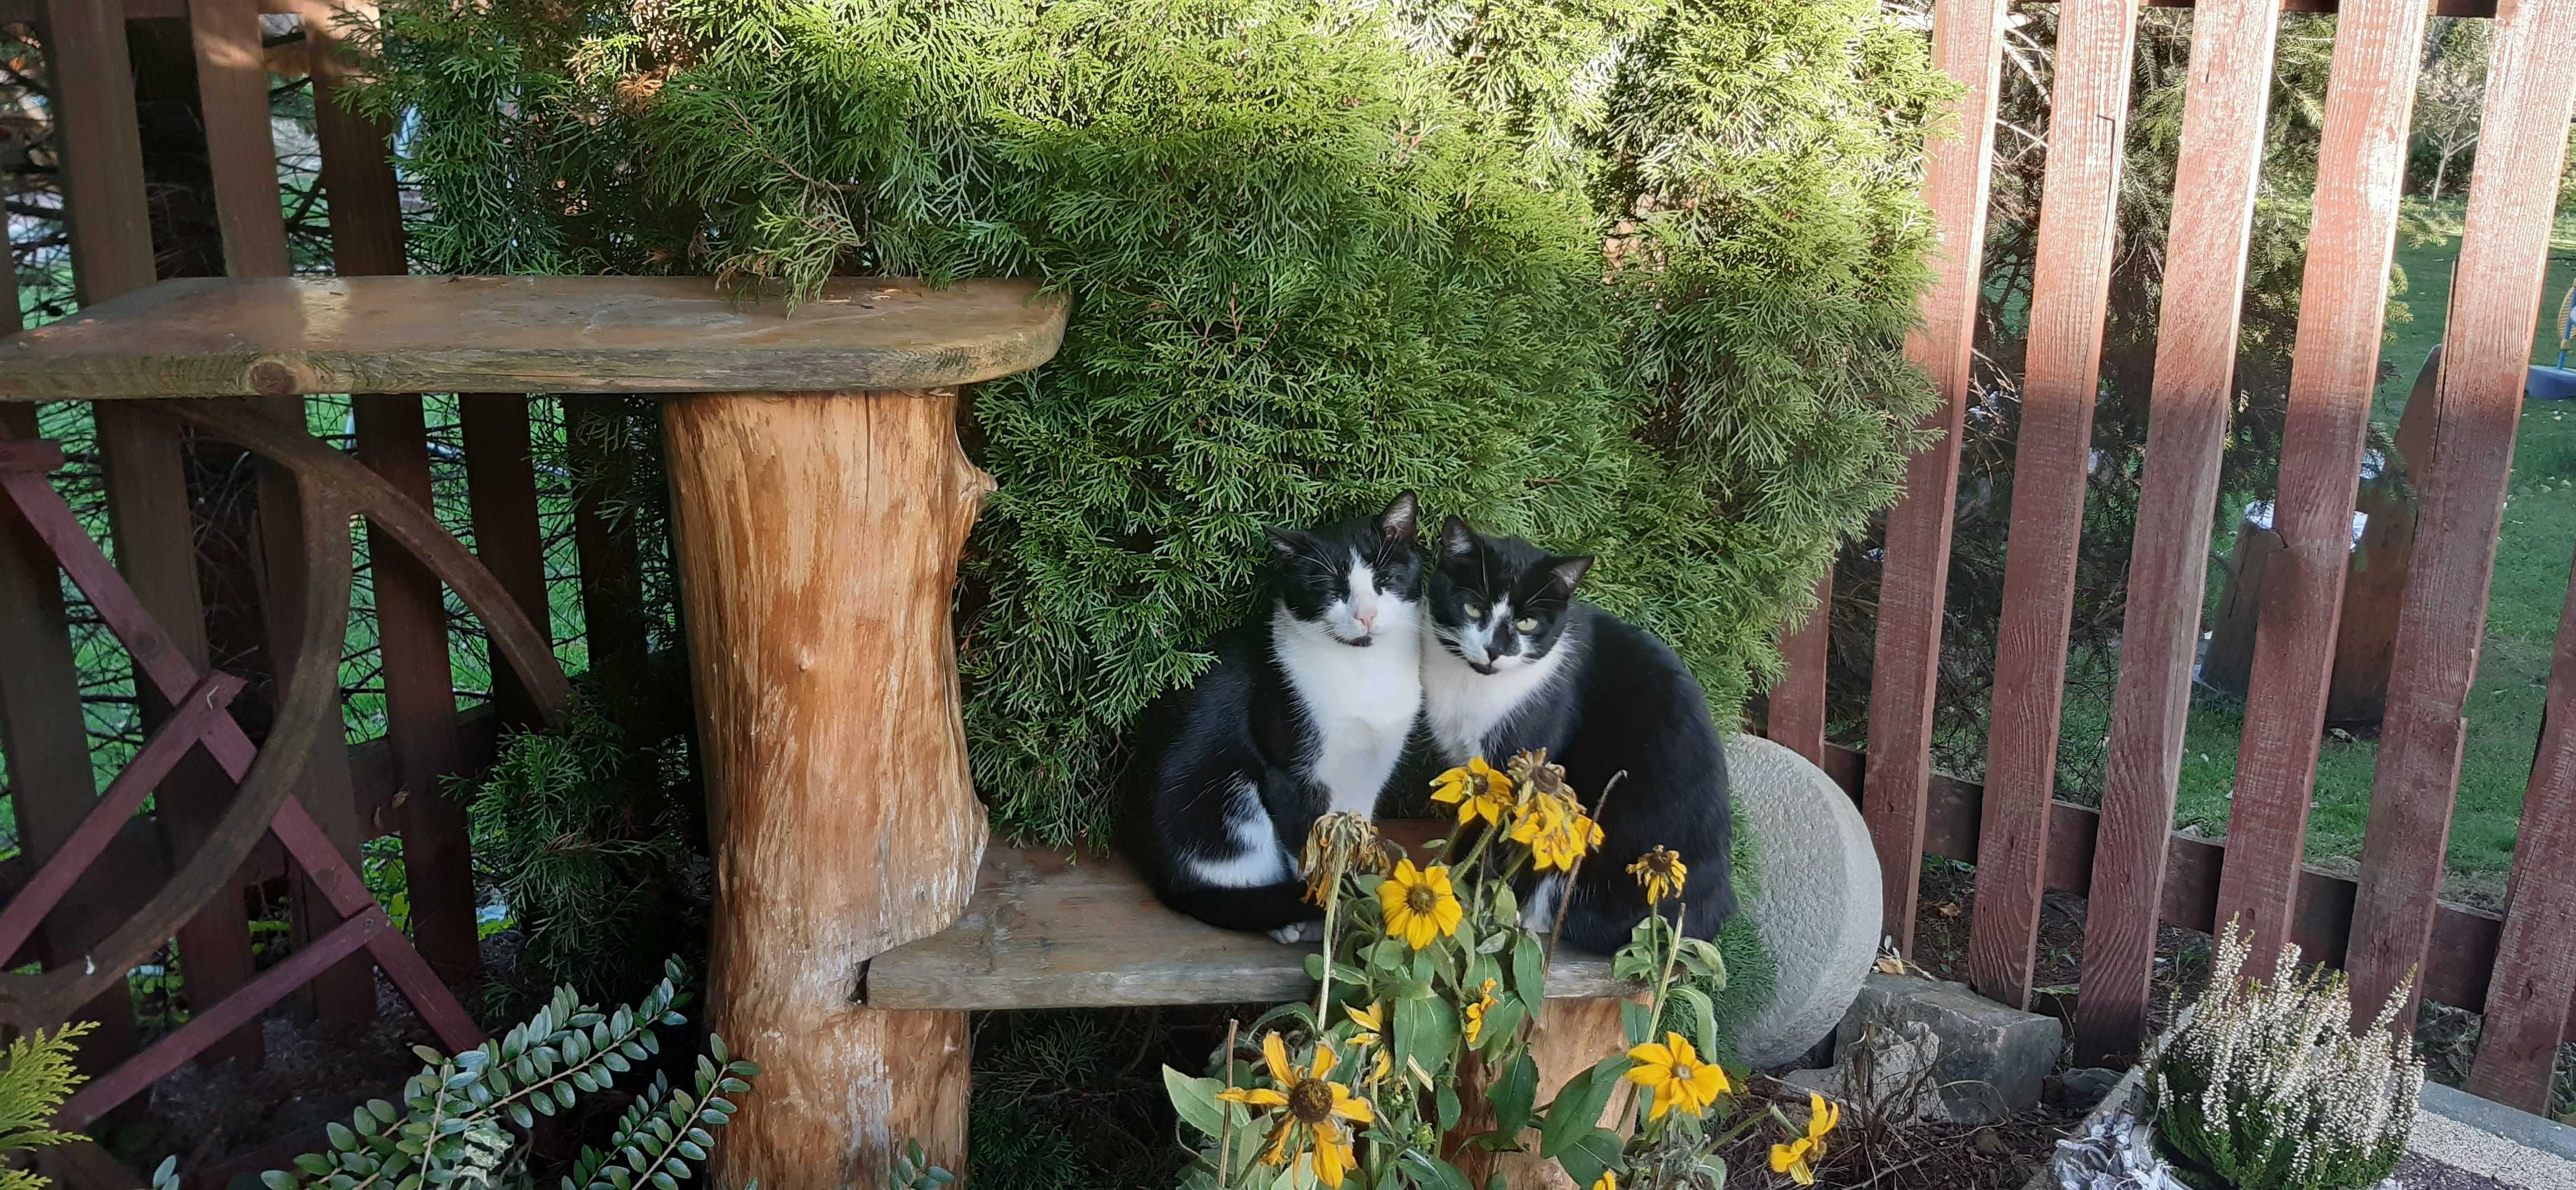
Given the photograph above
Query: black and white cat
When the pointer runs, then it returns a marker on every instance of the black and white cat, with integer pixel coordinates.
(1511, 661)
(1305, 712)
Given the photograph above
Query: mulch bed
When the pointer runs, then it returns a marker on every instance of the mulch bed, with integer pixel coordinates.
(2419, 1172)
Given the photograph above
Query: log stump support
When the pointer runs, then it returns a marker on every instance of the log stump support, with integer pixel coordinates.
(818, 537)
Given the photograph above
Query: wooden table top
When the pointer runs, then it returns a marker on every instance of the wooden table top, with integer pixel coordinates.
(218, 337)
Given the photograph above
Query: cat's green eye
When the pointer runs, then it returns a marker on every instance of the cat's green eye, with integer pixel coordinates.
(1475, 611)
(1525, 624)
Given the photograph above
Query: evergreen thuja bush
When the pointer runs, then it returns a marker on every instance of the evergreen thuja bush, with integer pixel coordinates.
(1317, 252)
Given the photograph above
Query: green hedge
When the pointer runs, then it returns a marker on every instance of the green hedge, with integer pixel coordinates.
(1318, 252)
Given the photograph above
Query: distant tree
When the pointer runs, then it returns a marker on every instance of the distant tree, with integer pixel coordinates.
(2452, 93)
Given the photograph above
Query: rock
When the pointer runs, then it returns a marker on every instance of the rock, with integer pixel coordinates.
(1818, 903)
(1887, 1072)
(2082, 1089)
(1992, 1059)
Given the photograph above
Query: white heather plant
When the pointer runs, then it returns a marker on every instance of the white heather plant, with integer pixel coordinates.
(2266, 1086)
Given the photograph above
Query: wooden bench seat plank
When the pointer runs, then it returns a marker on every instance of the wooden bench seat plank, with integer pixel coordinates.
(280, 336)
(1051, 929)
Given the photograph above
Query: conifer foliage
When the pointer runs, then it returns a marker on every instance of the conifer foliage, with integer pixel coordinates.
(1630, 277)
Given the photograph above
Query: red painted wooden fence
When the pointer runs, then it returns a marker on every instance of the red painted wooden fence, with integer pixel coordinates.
(2388, 924)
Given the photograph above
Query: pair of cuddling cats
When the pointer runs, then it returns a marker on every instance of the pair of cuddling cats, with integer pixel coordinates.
(1376, 661)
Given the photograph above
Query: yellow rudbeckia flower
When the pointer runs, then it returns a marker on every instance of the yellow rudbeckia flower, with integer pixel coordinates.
(1372, 1024)
(1555, 829)
(1674, 1072)
(1307, 1104)
(1476, 1011)
(1798, 1157)
(1609, 1180)
(1662, 872)
(1478, 789)
(1418, 904)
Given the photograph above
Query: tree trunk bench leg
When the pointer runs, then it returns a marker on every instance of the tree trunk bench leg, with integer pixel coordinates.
(817, 537)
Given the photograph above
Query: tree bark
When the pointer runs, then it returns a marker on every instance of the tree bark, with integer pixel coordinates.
(818, 537)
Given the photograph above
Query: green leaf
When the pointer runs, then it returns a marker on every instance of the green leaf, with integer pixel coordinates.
(1448, 1106)
(1195, 1099)
(1529, 972)
(340, 1136)
(1636, 1021)
(1701, 1014)
(277, 1179)
(520, 1115)
(1315, 966)
(1590, 1155)
(1579, 1103)
(1426, 1030)
(1432, 1173)
(1513, 1096)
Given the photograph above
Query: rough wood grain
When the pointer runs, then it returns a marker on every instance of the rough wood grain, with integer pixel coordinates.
(839, 804)
(2070, 295)
(2216, 176)
(2476, 411)
(2531, 999)
(1967, 39)
(279, 337)
(1794, 712)
(2361, 165)
(1052, 929)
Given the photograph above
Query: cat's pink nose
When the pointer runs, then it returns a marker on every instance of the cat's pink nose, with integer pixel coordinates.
(1368, 623)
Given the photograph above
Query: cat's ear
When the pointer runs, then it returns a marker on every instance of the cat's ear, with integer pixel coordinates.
(1563, 574)
(1284, 543)
(1401, 523)
(1456, 539)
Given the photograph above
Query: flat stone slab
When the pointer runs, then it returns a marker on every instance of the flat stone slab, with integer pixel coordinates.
(1992, 1060)
(1818, 904)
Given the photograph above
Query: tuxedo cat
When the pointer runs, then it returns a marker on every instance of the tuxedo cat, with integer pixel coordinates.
(1304, 712)
(1511, 662)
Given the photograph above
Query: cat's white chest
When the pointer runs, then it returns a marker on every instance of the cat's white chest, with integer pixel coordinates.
(1362, 702)
(1462, 707)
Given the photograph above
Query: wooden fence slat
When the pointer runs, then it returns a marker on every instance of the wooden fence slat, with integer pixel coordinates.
(501, 491)
(411, 612)
(2378, 46)
(2532, 995)
(1794, 712)
(1967, 40)
(232, 85)
(2476, 410)
(111, 254)
(2070, 296)
(2215, 180)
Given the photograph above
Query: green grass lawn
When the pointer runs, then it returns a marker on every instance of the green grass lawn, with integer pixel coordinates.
(2532, 562)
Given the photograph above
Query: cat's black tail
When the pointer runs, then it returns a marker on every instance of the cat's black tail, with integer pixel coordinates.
(1262, 907)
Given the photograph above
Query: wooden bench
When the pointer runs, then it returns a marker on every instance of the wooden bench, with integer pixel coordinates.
(1054, 929)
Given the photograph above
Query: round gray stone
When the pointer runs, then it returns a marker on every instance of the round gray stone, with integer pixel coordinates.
(1818, 905)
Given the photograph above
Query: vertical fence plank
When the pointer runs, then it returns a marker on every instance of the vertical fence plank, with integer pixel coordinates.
(2360, 167)
(232, 85)
(2215, 181)
(111, 250)
(612, 606)
(2476, 410)
(2534, 987)
(501, 490)
(411, 613)
(1967, 40)
(2070, 295)
(1794, 713)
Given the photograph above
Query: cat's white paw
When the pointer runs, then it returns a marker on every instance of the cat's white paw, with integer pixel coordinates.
(1299, 933)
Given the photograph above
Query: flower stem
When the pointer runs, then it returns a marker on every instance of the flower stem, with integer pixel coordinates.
(1324, 988)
